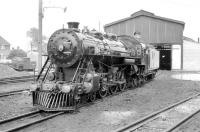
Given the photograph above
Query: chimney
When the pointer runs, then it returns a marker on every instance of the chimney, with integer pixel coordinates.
(73, 25)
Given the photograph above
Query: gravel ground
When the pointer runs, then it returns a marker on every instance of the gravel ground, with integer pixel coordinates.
(112, 112)
(13, 87)
(16, 104)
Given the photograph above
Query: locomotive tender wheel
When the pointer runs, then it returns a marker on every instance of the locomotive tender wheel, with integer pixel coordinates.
(102, 93)
(113, 89)
(92, 97)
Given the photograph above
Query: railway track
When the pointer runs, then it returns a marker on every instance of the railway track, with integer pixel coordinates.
(25, 120)
(12, 80)
(167, 119)
(12, 92)
(150, 123)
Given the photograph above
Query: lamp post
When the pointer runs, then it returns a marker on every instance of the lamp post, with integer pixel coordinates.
(41, 9)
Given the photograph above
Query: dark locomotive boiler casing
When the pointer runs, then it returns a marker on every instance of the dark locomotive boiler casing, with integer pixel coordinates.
(82, 66)
(66, 46)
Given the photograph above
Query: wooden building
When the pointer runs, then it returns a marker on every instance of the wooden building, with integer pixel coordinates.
(164, 33)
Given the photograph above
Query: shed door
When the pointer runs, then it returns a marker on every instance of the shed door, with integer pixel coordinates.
(176, 57)
(165, 57)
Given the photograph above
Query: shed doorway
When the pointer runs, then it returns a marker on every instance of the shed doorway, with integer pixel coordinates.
(165, 57)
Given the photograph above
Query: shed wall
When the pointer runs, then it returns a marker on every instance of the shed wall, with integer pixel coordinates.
(151, 30)
(191, 56)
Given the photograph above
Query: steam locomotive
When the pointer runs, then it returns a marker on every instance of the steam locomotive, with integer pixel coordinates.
(83, 66)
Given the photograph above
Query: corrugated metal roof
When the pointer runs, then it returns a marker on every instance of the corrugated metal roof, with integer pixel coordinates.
(144, 13)
(3, 41)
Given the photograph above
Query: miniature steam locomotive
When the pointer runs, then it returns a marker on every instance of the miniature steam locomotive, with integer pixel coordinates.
(83, 66)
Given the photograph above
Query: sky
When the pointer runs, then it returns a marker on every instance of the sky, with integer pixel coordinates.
(18, 16)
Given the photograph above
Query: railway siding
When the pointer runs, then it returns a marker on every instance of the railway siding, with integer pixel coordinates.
(25, 120)
(166, 119)
(20, 79)
(3, 94)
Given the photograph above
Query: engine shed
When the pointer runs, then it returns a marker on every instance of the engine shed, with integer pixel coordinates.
(164, 33)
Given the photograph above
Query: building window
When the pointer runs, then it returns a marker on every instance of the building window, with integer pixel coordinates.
(4, 47)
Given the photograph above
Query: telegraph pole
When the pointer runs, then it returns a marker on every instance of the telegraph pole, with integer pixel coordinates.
(40, 36)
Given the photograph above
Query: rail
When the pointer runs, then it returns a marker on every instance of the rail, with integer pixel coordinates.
(29, 119)
(3, 94)
(20, 79)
